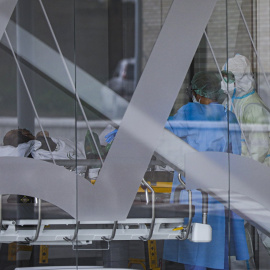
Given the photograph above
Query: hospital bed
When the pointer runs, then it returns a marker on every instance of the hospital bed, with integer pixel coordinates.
(47, 224)
(58, 228)
(43, 223)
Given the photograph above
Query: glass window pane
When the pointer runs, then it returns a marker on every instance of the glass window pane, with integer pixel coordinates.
(123, 121)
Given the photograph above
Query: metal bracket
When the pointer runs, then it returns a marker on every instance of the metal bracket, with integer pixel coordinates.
(186, 230)
(29, 240)
(113, 233)
(181, 180)
(75, 233)
(153, 213)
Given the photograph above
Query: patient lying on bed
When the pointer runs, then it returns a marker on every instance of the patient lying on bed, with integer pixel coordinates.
(22, 143)
(18, 143)
(61, 148)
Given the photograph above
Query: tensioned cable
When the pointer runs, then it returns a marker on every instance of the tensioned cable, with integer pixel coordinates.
(29, 95)
(215, 59)
(228, 157)
(70, 79)
(76, 136)
(252, 42)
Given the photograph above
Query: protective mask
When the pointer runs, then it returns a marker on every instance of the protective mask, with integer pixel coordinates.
(244, 84)
(194, 99)
(230, 87)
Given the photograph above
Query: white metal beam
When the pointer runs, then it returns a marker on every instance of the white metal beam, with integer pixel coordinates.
(6, 10)
(143, 123)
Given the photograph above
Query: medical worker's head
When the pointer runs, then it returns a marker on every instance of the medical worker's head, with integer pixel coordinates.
(238, 75)
(206, 85)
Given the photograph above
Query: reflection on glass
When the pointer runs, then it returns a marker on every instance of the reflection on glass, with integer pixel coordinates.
(68, 72)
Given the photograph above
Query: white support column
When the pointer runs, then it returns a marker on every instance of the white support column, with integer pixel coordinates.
(263, 47)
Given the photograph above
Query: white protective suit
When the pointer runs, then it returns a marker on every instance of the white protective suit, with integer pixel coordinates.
(252, 114)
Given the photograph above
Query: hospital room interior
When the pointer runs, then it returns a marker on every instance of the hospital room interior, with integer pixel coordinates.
(135, 134)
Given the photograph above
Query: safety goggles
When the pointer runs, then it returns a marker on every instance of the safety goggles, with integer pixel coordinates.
(228, 76)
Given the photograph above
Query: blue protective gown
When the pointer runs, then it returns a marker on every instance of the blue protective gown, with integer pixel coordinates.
(205, 128)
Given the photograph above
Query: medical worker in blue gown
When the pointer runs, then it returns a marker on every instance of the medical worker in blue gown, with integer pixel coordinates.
(203, 124)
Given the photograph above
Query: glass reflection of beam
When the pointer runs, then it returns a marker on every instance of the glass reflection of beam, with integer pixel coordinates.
(114, 97)
(101, 98)
(93, 98)
(71, 81)
(28, 93)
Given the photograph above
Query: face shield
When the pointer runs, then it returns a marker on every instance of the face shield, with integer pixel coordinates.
(227, 83)
(228, 76)
(240, 67)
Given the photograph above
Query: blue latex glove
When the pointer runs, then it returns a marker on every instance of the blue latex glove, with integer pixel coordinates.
(110, 136)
